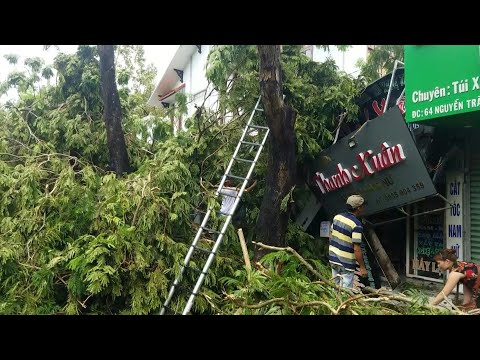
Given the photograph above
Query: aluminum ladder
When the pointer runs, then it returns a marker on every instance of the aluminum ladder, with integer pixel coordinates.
(225, 218)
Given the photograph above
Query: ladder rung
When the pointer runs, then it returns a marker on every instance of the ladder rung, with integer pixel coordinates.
(217, 212)
(236, 177)
(179, 286)
(258, 109)
(250, 143)
(196, 270)
(245, 160)
(208, 251)
(258, 127)
(170, 309)
(211, 230)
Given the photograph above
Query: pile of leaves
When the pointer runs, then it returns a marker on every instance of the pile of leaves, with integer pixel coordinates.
(285, 283)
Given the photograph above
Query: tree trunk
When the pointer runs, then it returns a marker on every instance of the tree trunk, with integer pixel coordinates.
(382, 257)
(282, 163)
(112, 111)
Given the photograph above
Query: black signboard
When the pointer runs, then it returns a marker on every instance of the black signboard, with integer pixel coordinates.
(372, 104)
(380, 161)
(372, 100)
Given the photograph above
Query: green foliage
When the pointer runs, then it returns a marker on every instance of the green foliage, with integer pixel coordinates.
(318, 92)
(34, 64)
(309, 247)
(47, 72)
(380, 61)
(286, 287)
(93, 243)
(76, 239)
(343, 47)
(11, 58)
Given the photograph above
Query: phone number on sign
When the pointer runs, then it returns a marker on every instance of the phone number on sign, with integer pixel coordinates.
(402, 192)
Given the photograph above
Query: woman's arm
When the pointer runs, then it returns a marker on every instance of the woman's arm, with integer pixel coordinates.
(453, 279)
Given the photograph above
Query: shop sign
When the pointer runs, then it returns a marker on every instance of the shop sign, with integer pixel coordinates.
(441, 81)
(454, 216)
(380, 161)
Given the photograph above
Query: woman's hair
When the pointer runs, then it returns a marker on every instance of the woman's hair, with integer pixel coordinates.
(445, 254)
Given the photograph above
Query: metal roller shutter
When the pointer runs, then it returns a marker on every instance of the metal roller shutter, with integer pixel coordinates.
(475, 207)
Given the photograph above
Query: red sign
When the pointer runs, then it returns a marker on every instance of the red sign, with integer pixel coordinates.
(389, 156)
(379, 109)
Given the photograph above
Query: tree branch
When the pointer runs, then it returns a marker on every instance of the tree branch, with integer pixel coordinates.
(304, 262)
(370, 292)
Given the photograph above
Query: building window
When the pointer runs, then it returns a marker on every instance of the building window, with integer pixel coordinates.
(198, 98)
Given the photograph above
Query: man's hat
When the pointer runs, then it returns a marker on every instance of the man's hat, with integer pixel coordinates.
(355, 201)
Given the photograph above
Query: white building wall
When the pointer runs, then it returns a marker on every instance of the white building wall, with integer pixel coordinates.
(197, 65)
(196, 81)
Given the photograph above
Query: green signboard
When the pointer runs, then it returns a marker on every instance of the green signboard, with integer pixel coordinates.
(441, 81)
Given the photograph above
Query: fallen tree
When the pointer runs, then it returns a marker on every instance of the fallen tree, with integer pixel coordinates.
(304, 286)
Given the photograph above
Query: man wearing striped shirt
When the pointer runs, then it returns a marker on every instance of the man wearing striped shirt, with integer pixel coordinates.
(345, 240)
